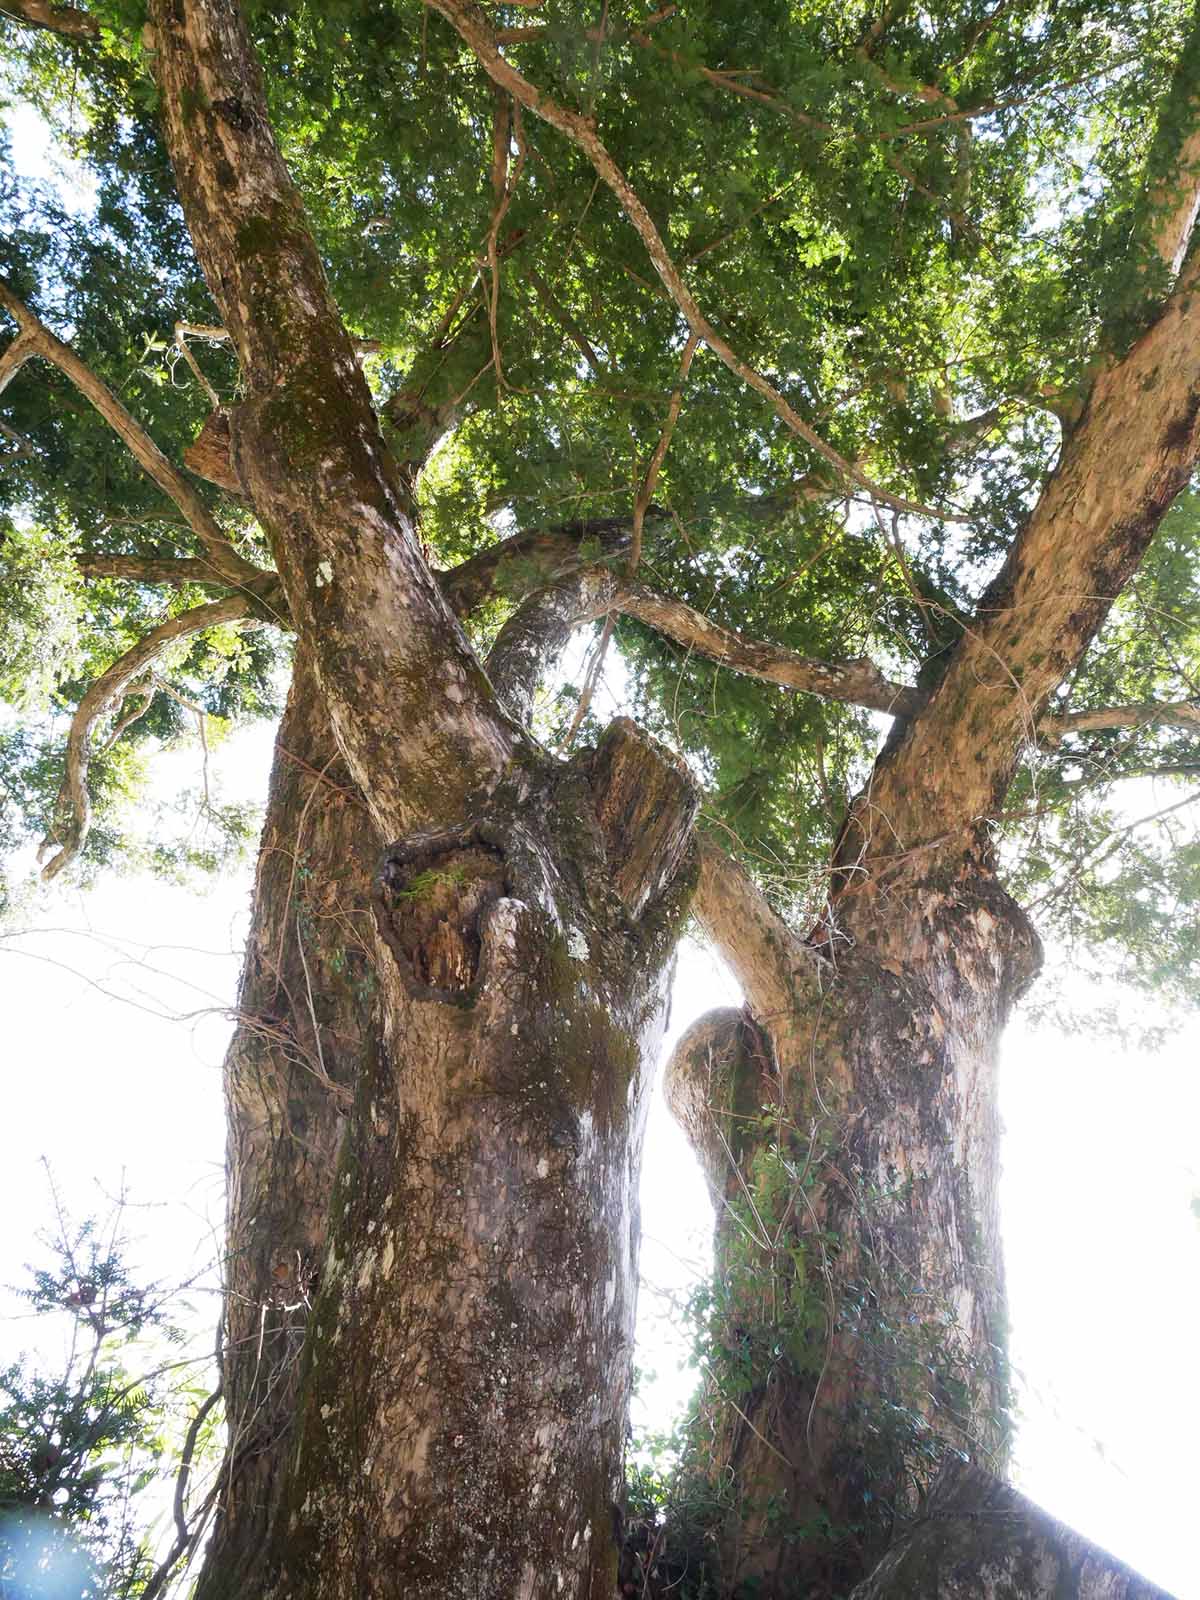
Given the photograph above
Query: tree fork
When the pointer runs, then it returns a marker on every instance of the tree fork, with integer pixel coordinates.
(467, 1365)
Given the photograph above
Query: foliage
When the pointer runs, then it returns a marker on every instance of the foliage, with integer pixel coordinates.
(921, 271)
(769, 1324)
(920, 224)
(83, 1444)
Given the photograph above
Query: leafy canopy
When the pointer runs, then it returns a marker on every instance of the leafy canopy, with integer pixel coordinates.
(917, 222)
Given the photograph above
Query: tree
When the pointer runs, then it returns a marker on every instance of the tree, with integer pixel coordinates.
(900, 338)
(80, 1443)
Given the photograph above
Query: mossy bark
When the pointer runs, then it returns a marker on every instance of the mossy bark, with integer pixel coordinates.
(305, 1014)
(850, 1135)
(437, 1094)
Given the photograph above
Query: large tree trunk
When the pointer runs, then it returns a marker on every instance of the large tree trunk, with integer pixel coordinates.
(849, 1132)
(862, 1307)
(459, 1412)
(460, 1408)
(455, 1337)
(466, 1378)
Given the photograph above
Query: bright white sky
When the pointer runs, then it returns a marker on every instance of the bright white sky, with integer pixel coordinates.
(1100, 1160)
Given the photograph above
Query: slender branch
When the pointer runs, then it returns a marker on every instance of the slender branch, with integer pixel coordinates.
(224, 559)
(475, 30)
(591, 679)
(567, 322)
(506, 129)
(74, 801)
(215, 335)
(1170, 714)
(185, 1465)
(858, 681)
(177, 570)
(645, 493)
(67, 20)
(182, 330)
(641, 505)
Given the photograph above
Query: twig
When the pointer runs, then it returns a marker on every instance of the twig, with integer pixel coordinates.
(589, 683)
(185, 1463)
(506, 122)
(646, 493)
(182, 329)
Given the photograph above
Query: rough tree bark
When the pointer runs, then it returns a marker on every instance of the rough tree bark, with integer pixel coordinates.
(867, 1195)
(438, 1085)
(979, 1540)
(305, 1012)
(461, 1403)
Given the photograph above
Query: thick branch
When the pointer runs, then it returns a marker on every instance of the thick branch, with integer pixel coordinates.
(538, 630)
(67, 20)
(1170, 714)
(550, 553)
(858, 681)
(702, 1080)
(770, 963)
(474, 28)
(307, 445)
(176, 570)
(225, 563)
(22, 349)
(74, 801)
(1174, 165)
(1121, 469)
(536, 634)
(1177, 203)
